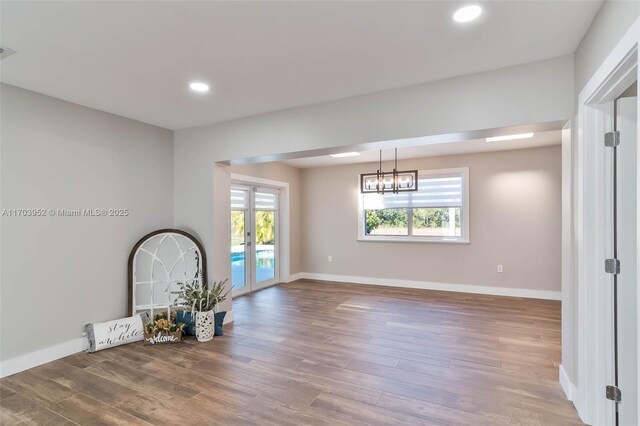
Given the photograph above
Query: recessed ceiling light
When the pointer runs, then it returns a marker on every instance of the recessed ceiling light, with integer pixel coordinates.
(199, 87)
(345, 154)
(510, 137)
(467, 13)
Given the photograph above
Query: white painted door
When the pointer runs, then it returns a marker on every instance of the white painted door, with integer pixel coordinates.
(255, 238)
(240, 239)
(265, 261)
(627, 247)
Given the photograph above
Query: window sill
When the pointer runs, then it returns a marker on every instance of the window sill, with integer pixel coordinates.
(411, 240)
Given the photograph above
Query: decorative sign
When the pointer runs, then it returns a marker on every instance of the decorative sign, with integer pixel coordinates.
(162, 337)
(114, 333)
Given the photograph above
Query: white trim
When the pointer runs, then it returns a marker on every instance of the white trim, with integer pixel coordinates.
(593, 356)
(55, 352)
(567, 386)
(568, 283)
(627, 44)
(42, 356)
(237, 293)
(426, 285)
(277, 271)
(464, 238)
(417, 239)
(295, 277)
(258, 181)
(284, 221)
(247, 292)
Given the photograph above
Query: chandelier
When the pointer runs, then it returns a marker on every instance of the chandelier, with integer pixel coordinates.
(393, 182)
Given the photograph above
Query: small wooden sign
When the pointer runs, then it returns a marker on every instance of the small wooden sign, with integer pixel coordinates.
(162, 337)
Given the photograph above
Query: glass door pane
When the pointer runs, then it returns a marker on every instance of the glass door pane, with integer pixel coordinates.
(254, 238)
(265, 245)
(265, 217)
(239, 240)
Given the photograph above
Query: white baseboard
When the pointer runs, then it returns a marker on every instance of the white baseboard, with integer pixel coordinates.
(42, 356)
(567, 386)
(425, 285)
(52, 353)
(295, 277)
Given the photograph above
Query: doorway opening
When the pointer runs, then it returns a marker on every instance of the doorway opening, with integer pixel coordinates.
(256, 235)
(606, 241)
(254, 238)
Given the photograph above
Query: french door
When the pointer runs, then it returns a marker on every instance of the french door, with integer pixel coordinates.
(254, 238)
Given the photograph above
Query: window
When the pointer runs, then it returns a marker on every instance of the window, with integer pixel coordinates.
(437, 212)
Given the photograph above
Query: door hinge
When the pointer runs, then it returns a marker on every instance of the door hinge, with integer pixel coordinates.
(614, 394)
(612, 266)
(612, 139)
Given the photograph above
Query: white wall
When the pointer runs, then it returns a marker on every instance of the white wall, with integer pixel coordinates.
(514, 211)
(530, 93)
(612, 21)
(569, 313)
(59, 273)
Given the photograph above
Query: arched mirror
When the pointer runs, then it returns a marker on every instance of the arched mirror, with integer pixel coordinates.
(157, 263)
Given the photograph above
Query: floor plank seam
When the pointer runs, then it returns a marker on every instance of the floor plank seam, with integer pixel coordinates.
(414, 356)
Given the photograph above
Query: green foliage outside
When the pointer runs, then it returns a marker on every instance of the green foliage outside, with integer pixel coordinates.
(237, 227)
(386, 218)
(265, 227)
(423, 218)
(372, 220)
(433, 217)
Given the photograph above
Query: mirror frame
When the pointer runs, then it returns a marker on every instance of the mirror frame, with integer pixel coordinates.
(143, 240)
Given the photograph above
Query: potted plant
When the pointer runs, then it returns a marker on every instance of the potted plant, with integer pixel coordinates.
(163, 330)
(198, 302)
(220, 294)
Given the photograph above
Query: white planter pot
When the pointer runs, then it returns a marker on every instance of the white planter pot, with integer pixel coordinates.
(204, 326)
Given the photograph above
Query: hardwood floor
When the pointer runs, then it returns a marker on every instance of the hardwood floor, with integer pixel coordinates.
(321, 354)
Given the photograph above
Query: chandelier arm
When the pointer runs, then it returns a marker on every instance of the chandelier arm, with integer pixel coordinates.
(410, 179)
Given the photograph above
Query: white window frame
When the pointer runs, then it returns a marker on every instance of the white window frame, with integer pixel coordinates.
(464, 234)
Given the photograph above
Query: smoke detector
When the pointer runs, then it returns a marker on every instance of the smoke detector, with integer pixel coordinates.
(5, 51)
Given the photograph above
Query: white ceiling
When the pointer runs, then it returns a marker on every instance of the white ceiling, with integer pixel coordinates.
(136, 58)
(469, 146)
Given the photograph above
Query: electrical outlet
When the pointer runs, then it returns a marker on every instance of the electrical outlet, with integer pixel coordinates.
(500, 268)
(329, 259)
